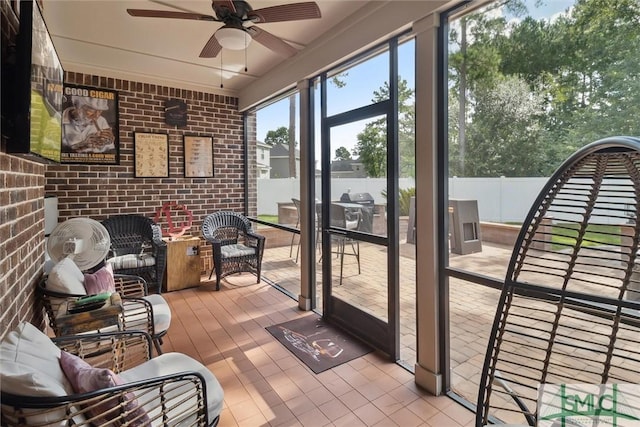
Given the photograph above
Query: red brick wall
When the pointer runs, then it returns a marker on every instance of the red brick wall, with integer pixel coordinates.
(99, 191)
(21, 220)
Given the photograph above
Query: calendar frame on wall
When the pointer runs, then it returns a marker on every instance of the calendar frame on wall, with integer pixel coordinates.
(150, 155)
(198, 156)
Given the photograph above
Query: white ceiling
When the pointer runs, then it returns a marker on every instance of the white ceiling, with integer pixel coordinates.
(99, 37)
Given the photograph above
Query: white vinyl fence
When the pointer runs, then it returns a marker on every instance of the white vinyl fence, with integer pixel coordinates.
(499, 199)
(272, 191)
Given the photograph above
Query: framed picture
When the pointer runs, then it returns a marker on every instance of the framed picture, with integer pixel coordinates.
(175, 112)
(90, 126)
(198, 156)
(151, 155)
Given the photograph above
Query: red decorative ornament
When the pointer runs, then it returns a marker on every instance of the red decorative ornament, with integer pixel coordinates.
(171, 230)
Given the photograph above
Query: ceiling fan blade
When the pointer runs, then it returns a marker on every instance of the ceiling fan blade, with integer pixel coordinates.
(211, 49)
(148, 13)
(285, 12)
(272, 42)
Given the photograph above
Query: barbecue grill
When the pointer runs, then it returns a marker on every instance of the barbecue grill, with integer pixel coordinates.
(367, 202)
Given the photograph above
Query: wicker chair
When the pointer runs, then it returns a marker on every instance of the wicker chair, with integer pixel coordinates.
(569, 311)
(236, 248)
(141, 311)
(137, 248)
(168, 390)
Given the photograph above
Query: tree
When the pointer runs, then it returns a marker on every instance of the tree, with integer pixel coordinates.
(372, 149)
(372, 142)
(342, 154)
(504, 134)
(476, 61)
(278, 136)
(583, 83)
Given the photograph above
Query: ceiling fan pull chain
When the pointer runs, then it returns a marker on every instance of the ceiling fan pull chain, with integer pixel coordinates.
(245, 52)
(221, 69)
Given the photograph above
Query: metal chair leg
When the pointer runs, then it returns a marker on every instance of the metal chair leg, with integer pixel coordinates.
(157, 343)
(341, 254)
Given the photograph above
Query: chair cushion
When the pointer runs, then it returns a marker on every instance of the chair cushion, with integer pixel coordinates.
(170, 363)
(100, 281)
(352, 224)
(31, 367)
(131, 261)
(236, 250)
(84, 378)
(161, 312)
(30, 364)
(67, 278)
(161, 315)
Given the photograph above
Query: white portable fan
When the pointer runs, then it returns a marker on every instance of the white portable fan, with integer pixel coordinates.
(84, 240)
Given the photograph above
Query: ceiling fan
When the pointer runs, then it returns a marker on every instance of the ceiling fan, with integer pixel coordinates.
(238, 18)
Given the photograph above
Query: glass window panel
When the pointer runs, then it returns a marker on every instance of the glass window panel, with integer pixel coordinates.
(360, 182)
(407, 188)
(358, 84)
(522, 97)
(278, 160)
(276, 182)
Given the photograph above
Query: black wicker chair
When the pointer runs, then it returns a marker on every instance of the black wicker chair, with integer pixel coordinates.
(236, 248)
(569, 311)
(137, 248)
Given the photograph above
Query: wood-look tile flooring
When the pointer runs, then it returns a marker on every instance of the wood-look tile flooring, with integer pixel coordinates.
(266, 385)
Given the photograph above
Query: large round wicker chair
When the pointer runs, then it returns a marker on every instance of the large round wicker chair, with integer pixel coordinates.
(568, 318)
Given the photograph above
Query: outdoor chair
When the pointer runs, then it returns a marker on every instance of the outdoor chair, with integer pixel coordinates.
(345, 218)
(137, 248)
(140, 311)
(236, 247)
(102, 380)
(348, 219)
(296, 203)
(568, 317)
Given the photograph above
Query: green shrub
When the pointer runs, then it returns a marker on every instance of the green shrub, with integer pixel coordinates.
(404, 199)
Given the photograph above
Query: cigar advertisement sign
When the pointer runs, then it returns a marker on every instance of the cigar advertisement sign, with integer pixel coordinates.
(90, 126)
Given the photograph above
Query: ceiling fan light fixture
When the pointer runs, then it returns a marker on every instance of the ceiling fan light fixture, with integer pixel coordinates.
(233, 38)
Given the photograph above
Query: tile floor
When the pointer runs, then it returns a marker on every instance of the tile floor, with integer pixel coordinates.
(266, 385)
(471, 309)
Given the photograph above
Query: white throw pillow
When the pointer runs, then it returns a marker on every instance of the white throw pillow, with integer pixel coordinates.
(67, 278)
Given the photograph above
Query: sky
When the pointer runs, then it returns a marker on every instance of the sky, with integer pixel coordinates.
(363, 79)
(360, 83)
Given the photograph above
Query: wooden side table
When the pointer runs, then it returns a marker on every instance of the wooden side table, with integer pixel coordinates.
(183, 263)
(110, 314)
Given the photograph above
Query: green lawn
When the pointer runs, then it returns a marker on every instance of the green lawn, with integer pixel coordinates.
(596, 235)
(269, 218)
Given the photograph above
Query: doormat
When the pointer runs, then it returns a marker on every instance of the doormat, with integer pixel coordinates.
(316, 343)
